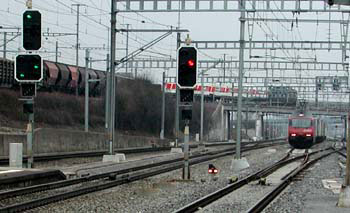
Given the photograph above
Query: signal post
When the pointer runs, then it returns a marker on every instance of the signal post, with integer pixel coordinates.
(29, 71)
(186, 80)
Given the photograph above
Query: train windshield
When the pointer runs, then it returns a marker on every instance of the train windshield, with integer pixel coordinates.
(300, 123)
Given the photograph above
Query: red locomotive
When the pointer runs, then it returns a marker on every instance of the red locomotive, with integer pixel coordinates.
(305, 130)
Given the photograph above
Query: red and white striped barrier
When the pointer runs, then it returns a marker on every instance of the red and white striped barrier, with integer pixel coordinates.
(212, 89)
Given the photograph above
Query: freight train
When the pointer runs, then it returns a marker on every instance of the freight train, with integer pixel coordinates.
(57, 77)
(305, 130)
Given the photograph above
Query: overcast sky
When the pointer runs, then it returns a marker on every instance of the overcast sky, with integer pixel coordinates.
(60, 16)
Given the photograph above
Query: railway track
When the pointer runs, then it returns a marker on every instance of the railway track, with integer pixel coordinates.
(341, 153)
(118, 178)
(60, 156)
(265, 201)
(210, 198)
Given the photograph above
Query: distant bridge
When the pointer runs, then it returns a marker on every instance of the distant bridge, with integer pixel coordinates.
(285, 110)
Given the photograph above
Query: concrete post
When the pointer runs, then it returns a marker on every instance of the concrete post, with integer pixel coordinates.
(232, 108)
(177, 111)
(86, 90)
(262, 126)
(30, 138)
(56, 56)
(246, 122)
(316, 97)
(177, 114)
(258, 127)
(5, 45)
(347, 178)
(239, 163)
(222, 135)
(16, 155)
(186, 170)
(346, 127)
(107, 94)
(344, 196)
(202, 108)
(113, 80)
(127, 46)
(163, 108)
(228, 125)
(240, 81)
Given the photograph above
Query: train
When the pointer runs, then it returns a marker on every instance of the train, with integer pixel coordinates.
(305, 130)
(274, 95)
(57, 77)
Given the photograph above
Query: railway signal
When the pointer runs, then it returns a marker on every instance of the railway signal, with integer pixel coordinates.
(336, 84)
(187, 67)
(31, 30)
(28, 68)
(186, 114)
(212, 169)
(28, 108)
(28, 90)
(186, 95)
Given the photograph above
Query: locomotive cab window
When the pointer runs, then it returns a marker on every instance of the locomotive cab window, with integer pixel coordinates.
(300, 123)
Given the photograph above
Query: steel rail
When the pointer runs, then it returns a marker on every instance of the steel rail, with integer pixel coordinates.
(123, 179)
(64, 183)
(204, 201)
(59, 156)
(340, 153)
(265, 201)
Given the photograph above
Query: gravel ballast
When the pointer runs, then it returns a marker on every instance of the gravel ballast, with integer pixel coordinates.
(308, 194)
(166, 192)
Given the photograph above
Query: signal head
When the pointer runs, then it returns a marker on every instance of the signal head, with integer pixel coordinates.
(187, 67)
(28, 68)
(31, 30)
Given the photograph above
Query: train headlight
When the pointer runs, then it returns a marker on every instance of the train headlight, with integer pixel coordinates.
(308, 135)
(293, 134)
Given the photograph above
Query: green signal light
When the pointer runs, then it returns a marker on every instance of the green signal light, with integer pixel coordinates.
(36, 66)
(29, 16)
(22, 75)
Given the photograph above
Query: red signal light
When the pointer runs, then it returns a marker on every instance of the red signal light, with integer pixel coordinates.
(190, 63)
(212, 171)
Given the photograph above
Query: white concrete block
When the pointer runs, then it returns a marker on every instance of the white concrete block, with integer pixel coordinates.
(176, 150)
(197, 137)
(344, 197)
(238, 165)
(121, 157)
(16, 155)
(110, 158)
(271, 150)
